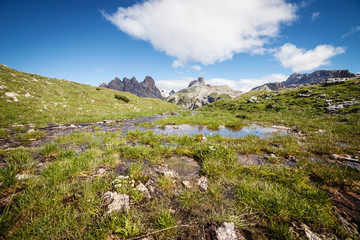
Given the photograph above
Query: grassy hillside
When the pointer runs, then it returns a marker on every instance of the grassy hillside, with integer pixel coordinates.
(30, 98)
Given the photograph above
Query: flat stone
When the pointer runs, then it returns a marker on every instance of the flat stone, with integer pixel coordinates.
(227, 232)
(22, 176)
(118, 202)
(186, 184)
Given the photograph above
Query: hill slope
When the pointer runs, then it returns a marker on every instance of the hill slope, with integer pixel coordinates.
(30, 98)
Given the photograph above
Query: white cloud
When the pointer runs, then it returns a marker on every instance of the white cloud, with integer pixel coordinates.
(315, 16)
(174, 84)
(352, 31)
(306, 3)
(247, 84)
(205, 31)
(244, 85)
(196, 68)
(299, 59)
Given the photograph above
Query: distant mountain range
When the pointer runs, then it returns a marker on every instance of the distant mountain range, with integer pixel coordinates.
(297, 79)
(317, 76)
(146, 88)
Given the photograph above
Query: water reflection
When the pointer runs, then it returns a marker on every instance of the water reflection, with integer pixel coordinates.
(185, 129)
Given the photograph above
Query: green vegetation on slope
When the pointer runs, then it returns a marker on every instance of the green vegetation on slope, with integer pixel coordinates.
(29, 98)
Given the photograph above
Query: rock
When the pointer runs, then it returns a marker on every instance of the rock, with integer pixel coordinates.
(186, 184)
(203, 183)
(253, 99)
(101, 171)
(169, 173)
(141, 188)
(117, 202)
(304, 95)
(11, 94)
(22, 176)
(226, 232)
(344, 158)
(334, 108)
(273, 156)
(195, 83)
(309, 234)
(269, 87)
(147, 88)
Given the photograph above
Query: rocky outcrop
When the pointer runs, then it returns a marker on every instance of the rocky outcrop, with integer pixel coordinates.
(147, 88)
(166, 93)
(199, 82)
(269, 87)
(199, 94)
(316, 77)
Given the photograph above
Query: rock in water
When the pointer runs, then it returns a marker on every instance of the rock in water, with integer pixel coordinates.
(147, 88)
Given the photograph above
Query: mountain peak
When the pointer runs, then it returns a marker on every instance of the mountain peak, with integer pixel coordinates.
(147, 88)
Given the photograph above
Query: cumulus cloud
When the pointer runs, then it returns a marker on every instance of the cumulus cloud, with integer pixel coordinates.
(315, 16)
(299, 59)
(352, 31)
(196, 68)
(176, 85)
(244, 85)
(247, 84)
(205, 31)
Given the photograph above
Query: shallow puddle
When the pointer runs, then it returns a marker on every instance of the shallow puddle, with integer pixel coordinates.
(191, 130)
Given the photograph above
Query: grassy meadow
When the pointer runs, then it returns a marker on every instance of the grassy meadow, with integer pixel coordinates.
(56, 190)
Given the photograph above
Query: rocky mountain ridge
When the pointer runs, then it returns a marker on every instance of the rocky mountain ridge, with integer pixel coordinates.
(316, 77)
(269, 87)
(147, 88)
(199, 94)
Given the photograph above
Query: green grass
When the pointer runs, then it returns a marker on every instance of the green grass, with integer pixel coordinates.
(63, 199)
(43, 100)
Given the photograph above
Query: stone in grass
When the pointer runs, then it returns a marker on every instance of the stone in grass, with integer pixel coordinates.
(141, 188)
(116, 201)
(186, 184)
(227, 232)
(22, 176)
(309, 234)
(203, 183)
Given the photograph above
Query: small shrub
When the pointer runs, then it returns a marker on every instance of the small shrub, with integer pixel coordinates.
(164, 219)
(122, 98)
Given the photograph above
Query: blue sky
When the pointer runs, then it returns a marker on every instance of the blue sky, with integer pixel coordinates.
(239, 43)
